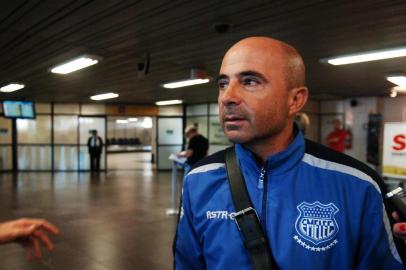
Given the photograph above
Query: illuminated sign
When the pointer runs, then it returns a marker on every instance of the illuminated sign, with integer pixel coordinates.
(394, 150)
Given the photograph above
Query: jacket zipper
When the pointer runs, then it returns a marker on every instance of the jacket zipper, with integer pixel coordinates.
(261, 178)
(262, 183)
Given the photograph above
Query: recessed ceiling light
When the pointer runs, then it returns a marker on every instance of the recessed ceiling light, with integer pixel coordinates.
(184, 83)
(365, 56)
(399, 80)
(168, 102)
(399, 88)
(132, 119)
(11, 87)
(393, 93)
(147, 122)
(121, 121)
(104, 96)
(75, 64)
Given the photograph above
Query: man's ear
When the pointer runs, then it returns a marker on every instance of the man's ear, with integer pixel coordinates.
(297, 99)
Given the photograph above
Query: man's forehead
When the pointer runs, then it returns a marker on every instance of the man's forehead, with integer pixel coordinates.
(237, 61)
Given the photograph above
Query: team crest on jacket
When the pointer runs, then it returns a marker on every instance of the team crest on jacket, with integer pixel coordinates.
(316, 226)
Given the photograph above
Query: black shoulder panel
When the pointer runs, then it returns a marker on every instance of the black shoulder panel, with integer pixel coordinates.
(218, 157)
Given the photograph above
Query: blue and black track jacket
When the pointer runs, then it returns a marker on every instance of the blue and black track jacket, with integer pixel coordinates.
(320, 210)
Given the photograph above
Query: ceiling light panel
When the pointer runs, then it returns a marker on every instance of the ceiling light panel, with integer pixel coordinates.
(399, 80)
(365, 57)
(184, 83)
(75, 64)
(104, 96)
(168, 102)
(11, 87)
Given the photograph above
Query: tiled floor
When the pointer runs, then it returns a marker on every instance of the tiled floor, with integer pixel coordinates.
(108, 221)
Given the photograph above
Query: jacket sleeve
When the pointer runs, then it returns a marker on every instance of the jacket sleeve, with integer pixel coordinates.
(377, 249)
(187, 247)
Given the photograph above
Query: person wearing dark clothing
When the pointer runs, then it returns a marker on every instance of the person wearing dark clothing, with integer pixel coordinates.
(197, 147)
(95, 146)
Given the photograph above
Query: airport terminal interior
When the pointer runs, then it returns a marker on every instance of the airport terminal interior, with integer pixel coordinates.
(139, 73)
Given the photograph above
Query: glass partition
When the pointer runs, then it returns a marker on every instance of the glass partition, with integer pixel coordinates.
(6, 152)
(216, 132)
(34, 157)
(170, 139)
(6, 162)
(66, 157)
(170, 130)
(66, 129)
(34, 143)
(5, 131)
(35, 131)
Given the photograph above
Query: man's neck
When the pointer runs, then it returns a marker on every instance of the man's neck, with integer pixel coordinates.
(277, 143)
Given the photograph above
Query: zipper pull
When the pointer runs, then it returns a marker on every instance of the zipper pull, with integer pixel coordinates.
(261, 178)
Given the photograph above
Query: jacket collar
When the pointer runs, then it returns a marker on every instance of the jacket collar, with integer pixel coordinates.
(277, 163)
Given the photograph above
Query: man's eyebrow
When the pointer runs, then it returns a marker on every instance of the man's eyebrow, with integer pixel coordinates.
(252, 73)
(221, 77)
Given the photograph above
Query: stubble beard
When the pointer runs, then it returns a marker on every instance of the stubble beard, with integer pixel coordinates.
(250, 136)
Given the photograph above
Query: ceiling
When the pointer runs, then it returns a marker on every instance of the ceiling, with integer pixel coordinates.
(35, 35)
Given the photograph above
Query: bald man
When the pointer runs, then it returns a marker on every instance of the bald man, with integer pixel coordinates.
(318, 208)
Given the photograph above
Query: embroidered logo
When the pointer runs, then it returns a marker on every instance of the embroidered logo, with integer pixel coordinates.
(316, 226)
(220, 215)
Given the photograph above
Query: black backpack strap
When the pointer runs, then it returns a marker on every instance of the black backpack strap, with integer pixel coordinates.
(246, 217)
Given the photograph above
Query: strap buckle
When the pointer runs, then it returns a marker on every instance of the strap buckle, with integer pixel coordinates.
(248, 223)
(247, 211)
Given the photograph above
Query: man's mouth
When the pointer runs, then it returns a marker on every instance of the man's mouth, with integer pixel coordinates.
(233, 119)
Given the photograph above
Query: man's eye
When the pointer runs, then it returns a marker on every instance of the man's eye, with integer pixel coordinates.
(251, 81)
(222, 84)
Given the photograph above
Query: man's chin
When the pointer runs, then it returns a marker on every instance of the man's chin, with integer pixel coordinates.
(236, 137)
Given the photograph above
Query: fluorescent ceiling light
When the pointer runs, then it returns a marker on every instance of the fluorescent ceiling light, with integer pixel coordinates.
(184, 83)
(104, 96)
(365, 57)
(168, 102)
(121, 121)
(12, 87)
(132, 119)
(75, 64)
(398, 80)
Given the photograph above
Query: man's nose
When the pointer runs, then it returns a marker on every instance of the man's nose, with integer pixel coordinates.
(231, 95)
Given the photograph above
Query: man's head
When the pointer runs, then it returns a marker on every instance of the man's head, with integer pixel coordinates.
(261, 88)
(337, 124)
(190, 131)
(94, 132)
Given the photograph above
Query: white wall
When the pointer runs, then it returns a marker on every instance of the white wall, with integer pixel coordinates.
(394, 109)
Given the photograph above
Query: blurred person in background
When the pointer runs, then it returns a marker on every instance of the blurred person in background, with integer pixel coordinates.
(196, 149)
(95, 146)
